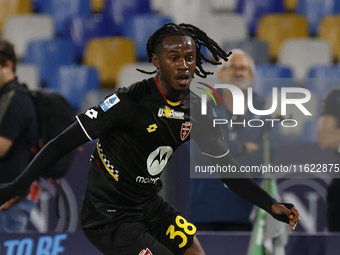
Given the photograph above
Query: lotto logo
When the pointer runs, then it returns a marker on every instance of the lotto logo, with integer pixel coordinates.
(91, 113)
(145, 252)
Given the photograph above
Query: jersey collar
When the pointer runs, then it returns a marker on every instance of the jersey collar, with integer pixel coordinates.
(166, 100)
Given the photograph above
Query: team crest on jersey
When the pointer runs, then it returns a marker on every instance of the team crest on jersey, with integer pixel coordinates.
(145, 252)
(109, 102)
(185, 129)
(170, 113)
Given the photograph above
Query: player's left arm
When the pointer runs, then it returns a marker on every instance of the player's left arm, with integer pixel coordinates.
(213, 145)
(246, 187)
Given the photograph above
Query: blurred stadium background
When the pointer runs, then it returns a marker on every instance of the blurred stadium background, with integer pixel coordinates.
(84, 49)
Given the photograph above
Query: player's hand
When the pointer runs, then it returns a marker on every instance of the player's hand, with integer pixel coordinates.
(9, 203)
(251, 147)
(292, 213)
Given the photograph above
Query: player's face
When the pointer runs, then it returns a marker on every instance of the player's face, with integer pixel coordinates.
(176, 63)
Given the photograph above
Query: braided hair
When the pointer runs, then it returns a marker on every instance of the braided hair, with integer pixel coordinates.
(200, 38)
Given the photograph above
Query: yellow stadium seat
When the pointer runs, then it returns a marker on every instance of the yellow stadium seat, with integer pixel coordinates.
(13, 7)
(97, 5)
(290, 5)
(329, 30)
(276, 28)
(108, 55)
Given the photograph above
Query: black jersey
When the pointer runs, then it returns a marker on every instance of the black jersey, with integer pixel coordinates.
(138, 131)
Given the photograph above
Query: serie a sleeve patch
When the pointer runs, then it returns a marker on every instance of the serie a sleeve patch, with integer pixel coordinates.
(109, 102)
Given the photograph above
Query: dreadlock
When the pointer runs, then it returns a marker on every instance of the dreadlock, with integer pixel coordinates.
(200, 38)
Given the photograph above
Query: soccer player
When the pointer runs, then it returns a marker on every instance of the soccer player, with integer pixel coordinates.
(138, 128)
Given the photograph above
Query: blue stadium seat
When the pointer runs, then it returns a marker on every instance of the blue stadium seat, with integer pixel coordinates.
(273, 71)
(314, 11)
(62, 10)
(82, 28)
(140, 27)
(117, 12)
(74, 82)
(37, 5)
(258, 49)
(324, 71)
(252, 10)
(336, 7)
(321, 79)
(48, 55)
(269, 76)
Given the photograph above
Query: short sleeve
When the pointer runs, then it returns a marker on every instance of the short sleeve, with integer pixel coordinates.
(114, 112)
(208, 137)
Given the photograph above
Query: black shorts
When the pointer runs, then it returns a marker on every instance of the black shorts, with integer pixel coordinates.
(160, 230)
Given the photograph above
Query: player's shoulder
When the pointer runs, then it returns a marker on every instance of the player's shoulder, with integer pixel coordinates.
(194, 99)
(195, 102)
(137, 91)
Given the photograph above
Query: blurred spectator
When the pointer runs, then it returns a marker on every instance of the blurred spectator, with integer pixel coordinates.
(18, 132)
(329, 138)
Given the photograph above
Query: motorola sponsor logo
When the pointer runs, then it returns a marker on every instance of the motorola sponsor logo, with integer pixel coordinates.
(147, 180)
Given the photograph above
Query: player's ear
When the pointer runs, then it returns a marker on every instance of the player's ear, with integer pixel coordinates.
(155, 61)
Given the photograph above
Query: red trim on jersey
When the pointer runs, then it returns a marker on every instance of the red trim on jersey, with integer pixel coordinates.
(98, 164)
(159, 88)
